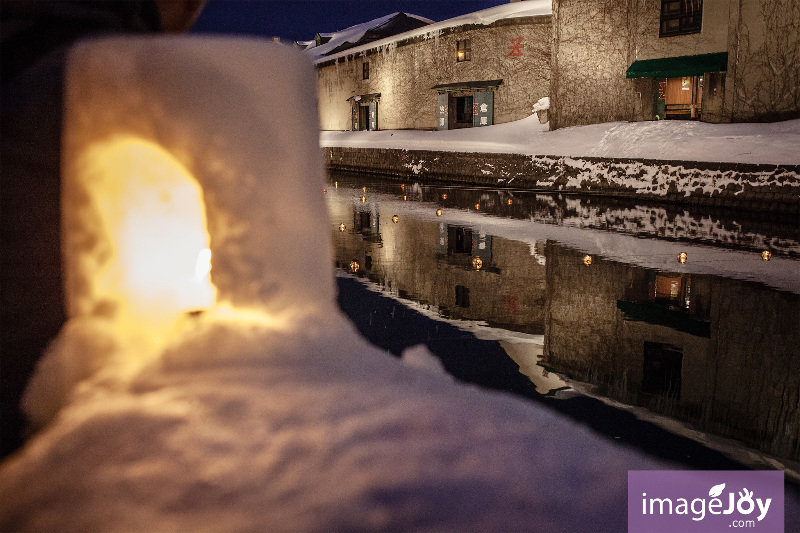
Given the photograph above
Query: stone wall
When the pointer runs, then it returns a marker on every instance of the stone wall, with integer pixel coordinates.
(405, 72)
(764, 61)
(595, 42)
(769, 188)
(591, 51)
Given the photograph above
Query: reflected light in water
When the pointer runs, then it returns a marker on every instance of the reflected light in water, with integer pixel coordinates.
(363, 199)
(682, 257)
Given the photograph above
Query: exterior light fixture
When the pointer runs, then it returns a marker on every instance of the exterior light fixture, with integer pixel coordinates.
(682, 257)
(354, 266)
(477, 263)
(324, 191)
(477, 207)
(364, 189)
(438, 212)
(444, 196)
(510, 201)
(766, 255)
(402, 186)
(394, 219)
(342, 227)
(587, 260)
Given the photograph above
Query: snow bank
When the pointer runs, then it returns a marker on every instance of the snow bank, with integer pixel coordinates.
(671, 140)
(268, 411)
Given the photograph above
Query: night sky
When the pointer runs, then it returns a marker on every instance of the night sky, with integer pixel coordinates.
(299, 20)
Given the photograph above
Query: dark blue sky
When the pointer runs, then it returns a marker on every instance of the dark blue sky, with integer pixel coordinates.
(294, 20)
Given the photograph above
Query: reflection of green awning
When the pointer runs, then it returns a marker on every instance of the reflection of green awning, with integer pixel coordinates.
(676, 67)
(651, 313)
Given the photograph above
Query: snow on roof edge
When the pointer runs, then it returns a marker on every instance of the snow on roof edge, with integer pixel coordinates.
(528, 8)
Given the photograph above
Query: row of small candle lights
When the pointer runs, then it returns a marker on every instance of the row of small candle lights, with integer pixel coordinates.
(766, 255)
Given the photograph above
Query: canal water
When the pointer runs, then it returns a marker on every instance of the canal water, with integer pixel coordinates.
(671, 329)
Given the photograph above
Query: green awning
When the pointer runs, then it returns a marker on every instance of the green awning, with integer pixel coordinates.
(676, 67)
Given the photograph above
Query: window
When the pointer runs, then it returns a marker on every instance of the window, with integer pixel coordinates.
(365, 70)
(463, 51)
(680, 17)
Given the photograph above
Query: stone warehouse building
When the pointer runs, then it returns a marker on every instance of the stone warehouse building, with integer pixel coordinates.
(712, 60)
(597, 60)
(479, 69)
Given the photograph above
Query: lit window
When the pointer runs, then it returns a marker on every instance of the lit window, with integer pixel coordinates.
(365, 70)
(680, 17)
(463, 51)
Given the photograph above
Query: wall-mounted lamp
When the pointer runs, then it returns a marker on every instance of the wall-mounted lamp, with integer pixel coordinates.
(682, 257)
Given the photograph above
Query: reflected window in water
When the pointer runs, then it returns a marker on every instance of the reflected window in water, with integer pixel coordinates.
(662, 370)
(462, 296)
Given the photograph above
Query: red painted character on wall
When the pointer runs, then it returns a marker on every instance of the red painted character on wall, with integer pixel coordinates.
(516, 47)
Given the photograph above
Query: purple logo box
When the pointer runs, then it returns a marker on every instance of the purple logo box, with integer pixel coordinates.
(666, 501)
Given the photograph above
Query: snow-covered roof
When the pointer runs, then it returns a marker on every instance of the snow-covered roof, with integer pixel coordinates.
(528, 8)
(349, 37)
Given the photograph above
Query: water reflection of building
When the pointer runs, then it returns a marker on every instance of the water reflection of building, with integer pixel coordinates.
(716, 352)
(719, 353)
(461, 271)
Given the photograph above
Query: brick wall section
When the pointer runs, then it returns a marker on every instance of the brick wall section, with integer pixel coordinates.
(769, 188)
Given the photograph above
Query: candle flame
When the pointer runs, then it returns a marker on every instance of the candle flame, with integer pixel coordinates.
(153, 215)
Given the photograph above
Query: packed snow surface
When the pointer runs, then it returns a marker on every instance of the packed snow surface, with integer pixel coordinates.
(669, 140)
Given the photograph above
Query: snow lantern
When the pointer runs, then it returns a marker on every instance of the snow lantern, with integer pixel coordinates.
(191, 180)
